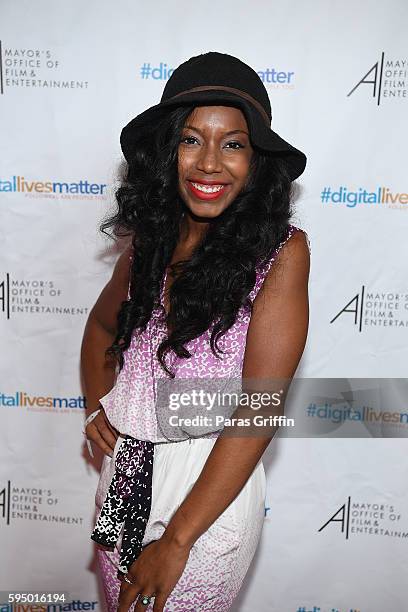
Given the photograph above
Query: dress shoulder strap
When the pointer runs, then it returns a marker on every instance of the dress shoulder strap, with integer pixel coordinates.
(263, 269)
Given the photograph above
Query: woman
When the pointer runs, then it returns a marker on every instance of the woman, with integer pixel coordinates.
(206, 200)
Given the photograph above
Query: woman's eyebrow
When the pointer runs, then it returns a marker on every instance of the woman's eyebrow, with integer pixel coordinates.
(191, 127)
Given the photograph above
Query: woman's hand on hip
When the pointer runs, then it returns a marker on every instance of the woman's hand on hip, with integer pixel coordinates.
(102, 433)
(155, 572)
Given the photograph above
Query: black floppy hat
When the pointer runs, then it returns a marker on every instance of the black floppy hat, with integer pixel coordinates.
(212, 78)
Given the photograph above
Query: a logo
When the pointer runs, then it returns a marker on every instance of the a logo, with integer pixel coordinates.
(33, 296)
(337, 414)
(42, 403)
(28, 503)
(368, 518)
(5, 502)
(51, 189)
(375, 309)
(34, 68)
(366, 197)
(270, 75)
(385, 79)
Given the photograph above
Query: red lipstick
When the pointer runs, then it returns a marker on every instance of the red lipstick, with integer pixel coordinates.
(201, 195)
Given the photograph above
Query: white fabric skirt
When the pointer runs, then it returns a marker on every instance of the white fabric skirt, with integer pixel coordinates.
(220, 558)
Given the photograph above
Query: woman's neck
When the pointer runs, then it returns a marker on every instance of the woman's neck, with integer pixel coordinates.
(192, 231)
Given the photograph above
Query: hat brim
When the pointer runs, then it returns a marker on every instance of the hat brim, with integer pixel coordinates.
(261, 135)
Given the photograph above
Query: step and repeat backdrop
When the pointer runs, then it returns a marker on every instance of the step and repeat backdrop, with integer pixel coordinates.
(71, 76)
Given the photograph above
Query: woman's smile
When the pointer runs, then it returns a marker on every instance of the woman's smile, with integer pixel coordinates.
(205, 191)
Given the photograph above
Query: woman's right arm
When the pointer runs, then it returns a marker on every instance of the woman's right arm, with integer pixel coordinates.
(98, 371)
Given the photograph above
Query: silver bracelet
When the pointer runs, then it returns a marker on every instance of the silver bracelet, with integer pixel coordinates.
(91, 417)
(88, 420)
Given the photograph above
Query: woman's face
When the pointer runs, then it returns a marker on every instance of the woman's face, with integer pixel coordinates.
(214, 158)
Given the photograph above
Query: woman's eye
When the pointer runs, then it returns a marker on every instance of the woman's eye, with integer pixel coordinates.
(235, 142)
(188, 138)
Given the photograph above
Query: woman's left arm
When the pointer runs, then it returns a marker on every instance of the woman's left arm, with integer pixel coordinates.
(275, 342)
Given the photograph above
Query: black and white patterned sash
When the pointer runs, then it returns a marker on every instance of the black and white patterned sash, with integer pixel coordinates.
(128, 501)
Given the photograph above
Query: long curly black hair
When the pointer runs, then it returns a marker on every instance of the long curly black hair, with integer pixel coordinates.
(214, 283)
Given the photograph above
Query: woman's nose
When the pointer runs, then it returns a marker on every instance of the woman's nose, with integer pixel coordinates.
(209, 160)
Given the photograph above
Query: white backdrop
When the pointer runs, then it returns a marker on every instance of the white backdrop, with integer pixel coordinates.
(71, 78)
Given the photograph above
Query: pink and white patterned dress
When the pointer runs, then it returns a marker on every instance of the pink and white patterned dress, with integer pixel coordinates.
(220, 558)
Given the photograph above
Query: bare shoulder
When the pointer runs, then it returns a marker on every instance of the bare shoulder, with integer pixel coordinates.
(291, 266)
(296, 248)
(115, 292)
